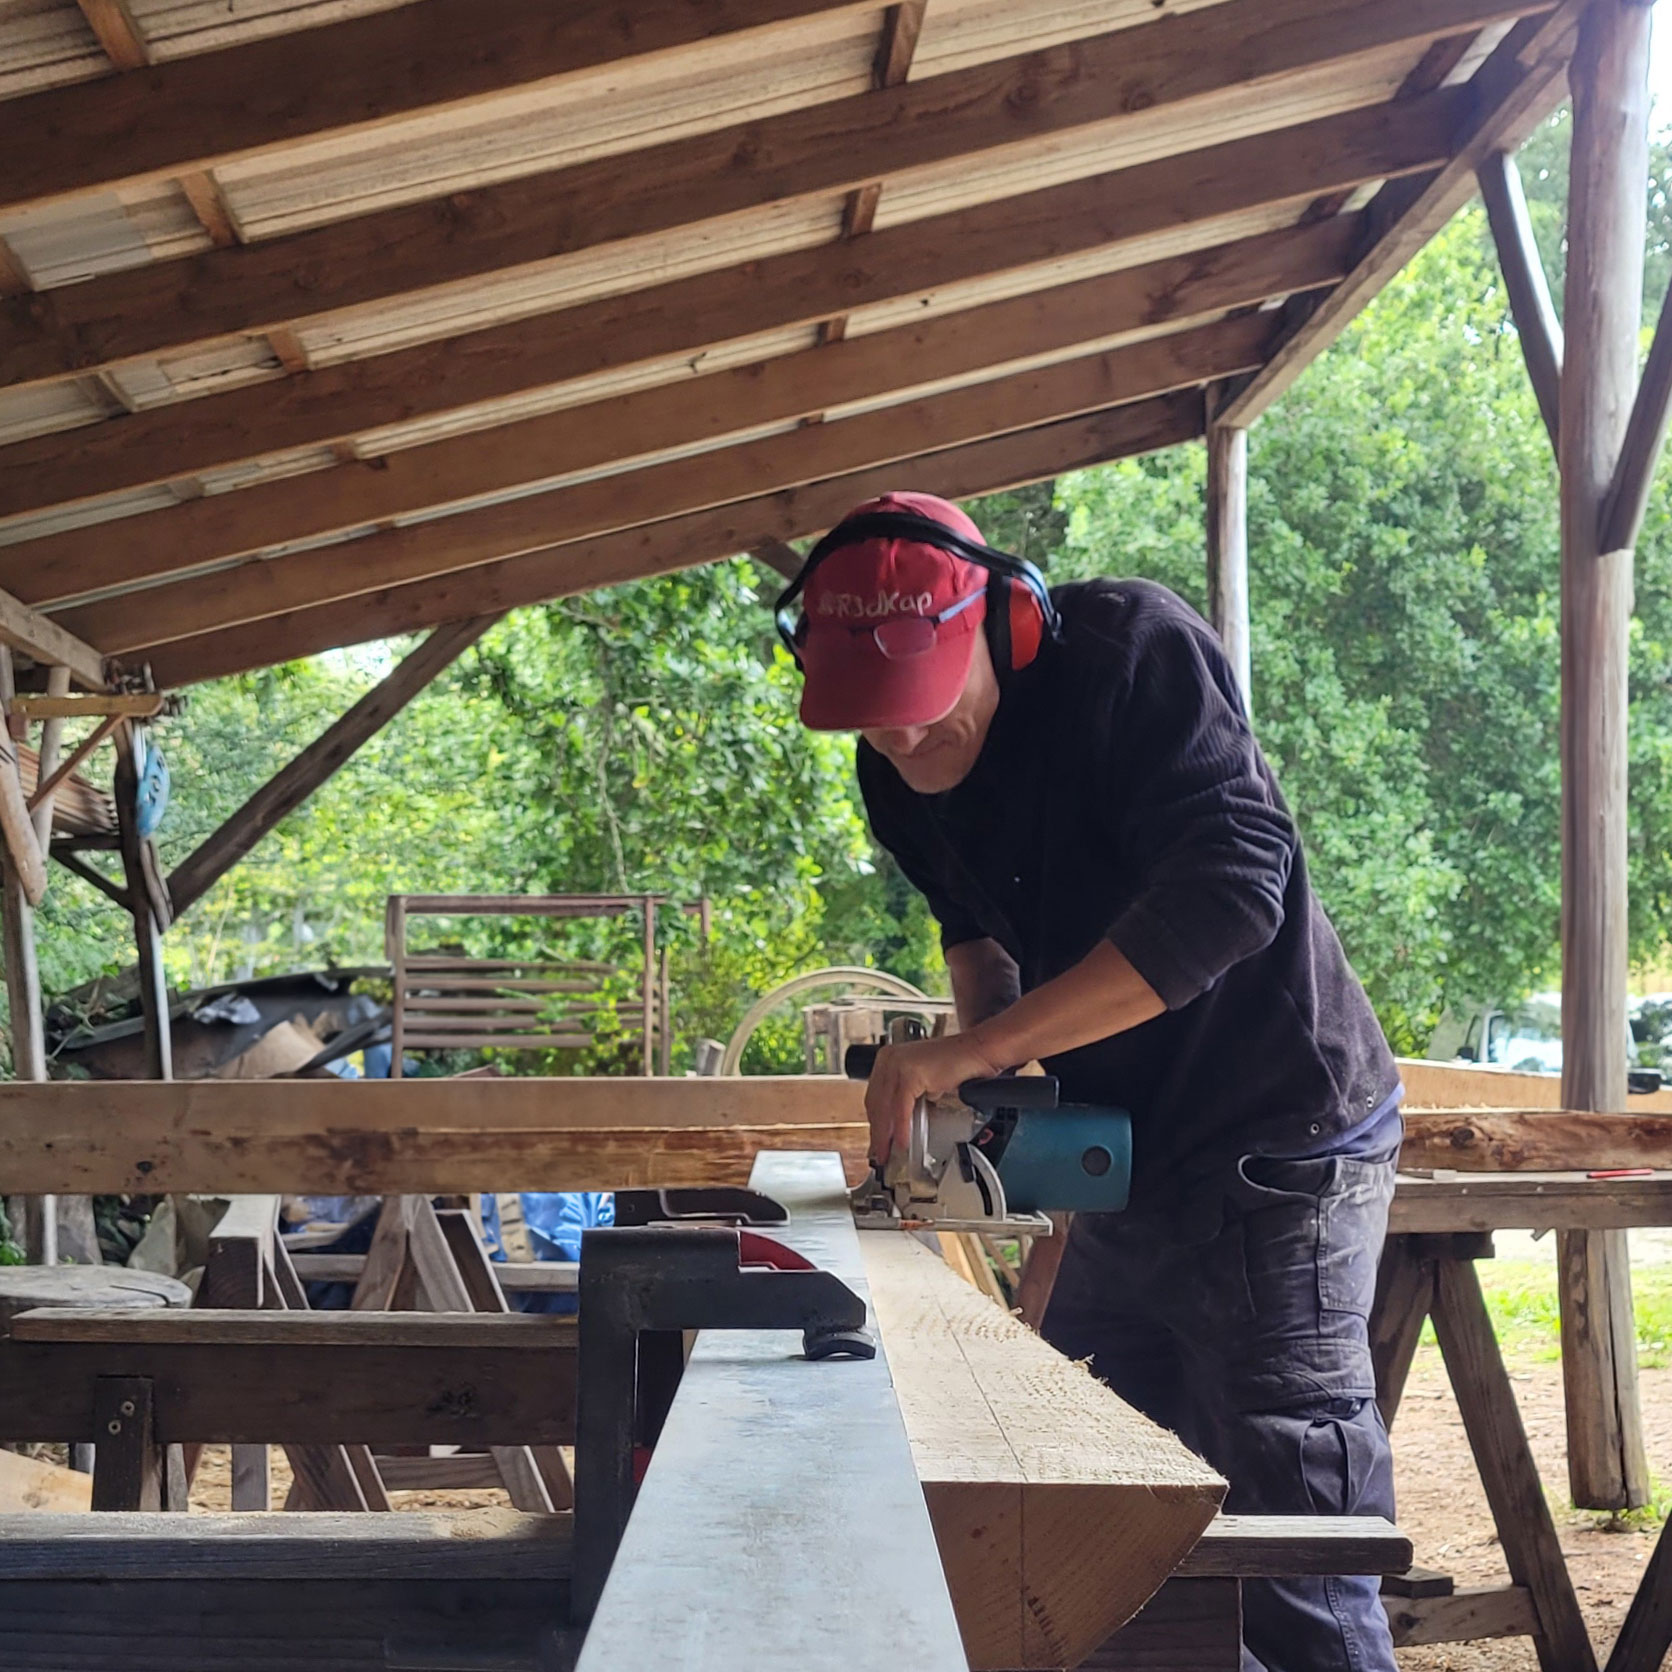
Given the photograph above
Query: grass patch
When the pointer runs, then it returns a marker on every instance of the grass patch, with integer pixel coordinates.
(1521, 1296)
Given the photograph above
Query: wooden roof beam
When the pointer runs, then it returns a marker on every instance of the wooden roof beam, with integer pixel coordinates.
(1530, 305)
(683, 542)
(1514, 90)
(161, 120)
(888, 365)
(288, 788)
(42, 639)
(130, 622)
(690, 316)
(816, 152)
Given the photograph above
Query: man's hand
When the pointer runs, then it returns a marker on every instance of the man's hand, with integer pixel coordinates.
(904, 1073)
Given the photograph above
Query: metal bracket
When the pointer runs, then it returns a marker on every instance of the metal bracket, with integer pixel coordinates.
(641, 1287)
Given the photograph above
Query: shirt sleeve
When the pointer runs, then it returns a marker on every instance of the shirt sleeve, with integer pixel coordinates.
(1196, 813)
(893, 827)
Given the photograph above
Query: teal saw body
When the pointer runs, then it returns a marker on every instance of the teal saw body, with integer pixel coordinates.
(1052, 1157)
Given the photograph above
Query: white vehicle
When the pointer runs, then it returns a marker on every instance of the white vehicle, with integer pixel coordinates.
(1527, 1037)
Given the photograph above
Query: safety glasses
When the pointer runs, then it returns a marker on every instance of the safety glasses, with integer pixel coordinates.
(901, 637)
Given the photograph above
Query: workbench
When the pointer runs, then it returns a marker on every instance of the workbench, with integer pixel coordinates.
(1440, 1224)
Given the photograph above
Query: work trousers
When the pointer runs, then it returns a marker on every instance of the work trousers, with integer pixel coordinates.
(1243, 1326)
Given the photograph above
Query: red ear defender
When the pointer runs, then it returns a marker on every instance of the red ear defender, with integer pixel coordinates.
(1027, 623)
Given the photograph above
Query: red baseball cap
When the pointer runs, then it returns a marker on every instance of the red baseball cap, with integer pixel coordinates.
(865, 673)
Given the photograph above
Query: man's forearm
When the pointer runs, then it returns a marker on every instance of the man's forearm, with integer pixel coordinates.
(985, 980)
(1101, 995)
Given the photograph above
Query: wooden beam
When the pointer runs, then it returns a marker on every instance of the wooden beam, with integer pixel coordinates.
(586, 510)
(1513, 92)
(681, 542)
(1128, 74)
(437, 1380)
(1646, 1636)
(687, 316)
(1058, 1509)
(1628, 493)
(43, 640)
(260, 1136)
(287, 789)
(58, 705)
(113, 23)
(1529, 291)
(1608, 180)
(894, 366)
(796, 1484)
(1227, 509)
(1534, 1140)
(164, 120)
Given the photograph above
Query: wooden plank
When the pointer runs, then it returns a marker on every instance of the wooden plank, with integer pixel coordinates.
(288, 788)
(689, 316)
(1292, 1546)
(1464, 1085)
(196, 111)
(322, 1624)
(33, 1484)
(896, 366)
(1530, 305)
(1467, 1616)
(124, 705)
(305, 1393)
(1514, 90)
(214, 1547)
(1535, 1140)
(215, 1326)
(1530, 1202)
(680, 542)
(236, 1137)
(128, 1461)
(1058, 1508)
(1188, 1623)
(818, 152)
(781, 1476)
(1499, 1443)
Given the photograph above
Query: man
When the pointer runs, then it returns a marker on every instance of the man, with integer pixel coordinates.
(1069, 777)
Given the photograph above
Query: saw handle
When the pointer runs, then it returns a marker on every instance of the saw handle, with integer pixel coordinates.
(859, 1060)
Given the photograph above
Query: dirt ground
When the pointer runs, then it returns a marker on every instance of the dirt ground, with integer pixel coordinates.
(1442, 1507)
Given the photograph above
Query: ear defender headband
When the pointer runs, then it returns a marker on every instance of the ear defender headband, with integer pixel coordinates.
(1020, 614)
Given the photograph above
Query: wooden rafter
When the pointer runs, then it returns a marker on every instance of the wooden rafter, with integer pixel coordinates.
(202, 603)
(1513, 91)
(890, 366)
(681, 542)
(901, 27)
(817, 152)
(112, 21)
(168, 119)
(292, 785)
(690, 316)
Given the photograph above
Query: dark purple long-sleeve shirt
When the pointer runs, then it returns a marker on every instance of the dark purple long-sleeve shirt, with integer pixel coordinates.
(1121, 794)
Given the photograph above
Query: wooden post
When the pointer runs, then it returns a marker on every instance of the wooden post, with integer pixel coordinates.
(148, 931)
(1609, 181)
(1228, 548)
(648, 1008)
